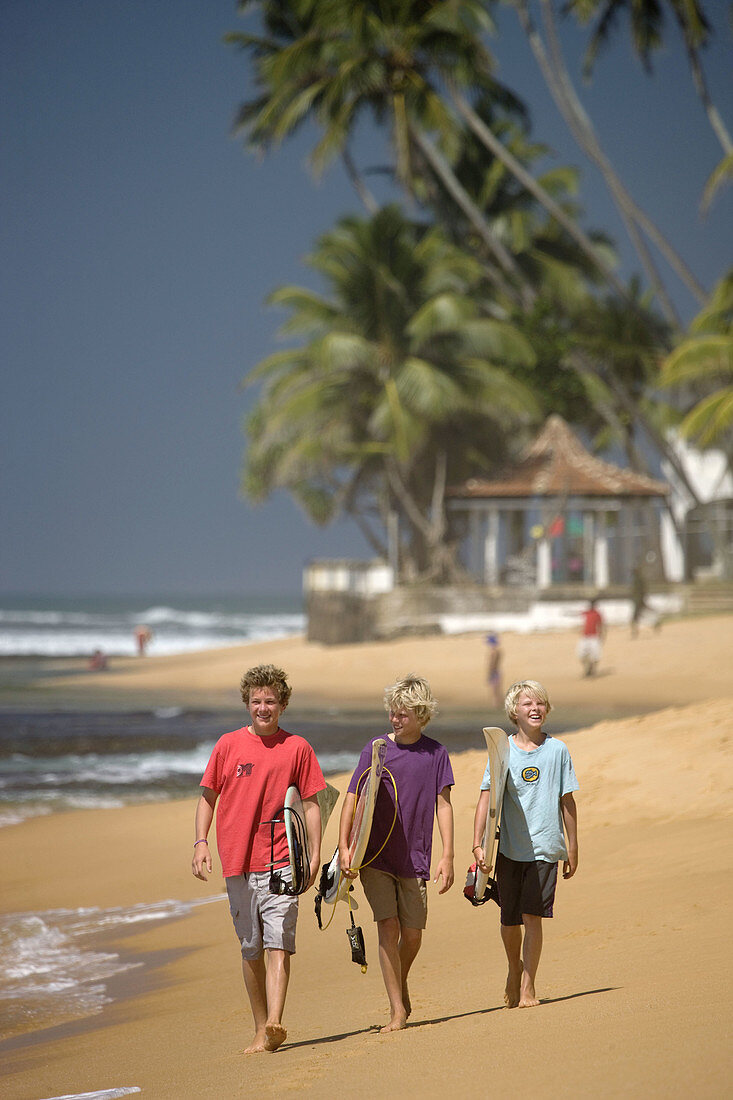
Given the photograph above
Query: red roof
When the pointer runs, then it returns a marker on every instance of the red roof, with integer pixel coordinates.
(557, 464)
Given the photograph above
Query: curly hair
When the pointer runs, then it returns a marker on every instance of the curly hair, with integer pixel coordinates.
(411, 693)
(532, 688)
(262, 676)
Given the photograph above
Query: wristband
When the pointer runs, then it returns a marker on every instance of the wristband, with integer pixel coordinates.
(202, 841)
(475, 847)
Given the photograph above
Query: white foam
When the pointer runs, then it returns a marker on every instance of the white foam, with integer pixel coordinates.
(50, 632)
(47, 972)
(104, 1094)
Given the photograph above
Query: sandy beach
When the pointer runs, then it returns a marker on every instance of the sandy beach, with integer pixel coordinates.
(635, 982)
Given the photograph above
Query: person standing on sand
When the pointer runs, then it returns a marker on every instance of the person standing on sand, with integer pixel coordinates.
(143, 637)
(249, 773)
(493, 669)
(538, 803)
(396, 863)
(638, 602)
(591, 641)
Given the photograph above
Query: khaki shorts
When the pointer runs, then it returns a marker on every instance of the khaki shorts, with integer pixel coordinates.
(261, 920)
(389, 896)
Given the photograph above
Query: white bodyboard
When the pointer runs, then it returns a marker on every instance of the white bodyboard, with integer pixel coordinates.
(497, 742)
(296, 837)
(361, 826)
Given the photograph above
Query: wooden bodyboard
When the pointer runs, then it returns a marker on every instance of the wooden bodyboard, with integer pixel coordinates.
(497, 743)
(361, 826)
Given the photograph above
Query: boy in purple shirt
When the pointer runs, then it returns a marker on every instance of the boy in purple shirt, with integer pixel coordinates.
(394, 878)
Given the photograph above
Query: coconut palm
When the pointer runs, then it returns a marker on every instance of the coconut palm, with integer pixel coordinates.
(398, 378)
(394, 59)
(639, 226)
(647, 25)
(704, 362)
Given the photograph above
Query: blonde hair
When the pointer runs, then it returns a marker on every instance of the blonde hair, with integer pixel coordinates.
(264, 676)
(533, 688)
(411, 693)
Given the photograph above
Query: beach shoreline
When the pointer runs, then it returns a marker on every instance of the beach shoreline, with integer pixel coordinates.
(623, 1008)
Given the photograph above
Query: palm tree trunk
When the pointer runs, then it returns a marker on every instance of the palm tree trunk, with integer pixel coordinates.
(636, 415)
(527, 180)
(568, 103)
(716, 122)
(368, 201)
(464, 201)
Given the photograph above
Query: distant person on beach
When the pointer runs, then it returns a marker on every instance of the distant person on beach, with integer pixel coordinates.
(249, 773)
(396, 866)
(592, 633)
(143, 637)
(639, 602)
(97, 661)
(538, 803)
(493, 668)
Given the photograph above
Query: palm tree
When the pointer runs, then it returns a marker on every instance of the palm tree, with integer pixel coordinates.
(647, 18)
(399, 378)
(393, 59)
(704, 361)
(389, 59)
(639, 226)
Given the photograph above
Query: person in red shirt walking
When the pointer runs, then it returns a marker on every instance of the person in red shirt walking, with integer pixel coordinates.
(246, 780)
(591, 641)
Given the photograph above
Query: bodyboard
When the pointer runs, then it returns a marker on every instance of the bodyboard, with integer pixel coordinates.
(361, 827)
(295, 825)
(297, 835)
(327, 799)
(497, 742)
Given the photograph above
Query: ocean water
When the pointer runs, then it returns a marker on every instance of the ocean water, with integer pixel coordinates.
(59, 759)
(54, 966)
(65, 627)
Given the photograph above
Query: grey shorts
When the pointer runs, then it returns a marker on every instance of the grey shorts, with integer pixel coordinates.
(390, 896)
(261, 920)
(525, 888)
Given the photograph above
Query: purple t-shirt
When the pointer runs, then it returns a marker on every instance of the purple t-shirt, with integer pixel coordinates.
(420, 772)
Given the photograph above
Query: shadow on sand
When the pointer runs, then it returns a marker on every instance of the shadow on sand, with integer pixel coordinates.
(374, 1028)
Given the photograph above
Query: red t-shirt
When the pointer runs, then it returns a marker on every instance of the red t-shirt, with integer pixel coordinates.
(592, 623)
(251, 775)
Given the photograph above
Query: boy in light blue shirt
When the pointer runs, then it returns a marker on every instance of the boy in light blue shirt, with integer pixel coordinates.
(538, 814)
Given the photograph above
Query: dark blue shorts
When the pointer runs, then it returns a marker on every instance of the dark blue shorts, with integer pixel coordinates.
(525, 888)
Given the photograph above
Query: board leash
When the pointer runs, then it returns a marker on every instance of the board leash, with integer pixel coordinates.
(301, 873)
(354, 932)
(341, 874)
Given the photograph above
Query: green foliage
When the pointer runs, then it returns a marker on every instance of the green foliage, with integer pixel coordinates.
(700, 370)
(398, 363)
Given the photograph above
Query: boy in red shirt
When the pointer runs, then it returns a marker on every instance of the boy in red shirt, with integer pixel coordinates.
(249, 773)
(592, 632)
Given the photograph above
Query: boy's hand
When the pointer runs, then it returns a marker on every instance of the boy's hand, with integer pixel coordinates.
(445, 871)
(201, 859)
(570, 865)
(345, 862)
(478, 854)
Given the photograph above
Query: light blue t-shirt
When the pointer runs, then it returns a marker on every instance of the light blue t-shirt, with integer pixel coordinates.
(531, 819)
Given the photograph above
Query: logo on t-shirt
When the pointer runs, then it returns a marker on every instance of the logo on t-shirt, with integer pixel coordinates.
(530, 775)
(244, 769)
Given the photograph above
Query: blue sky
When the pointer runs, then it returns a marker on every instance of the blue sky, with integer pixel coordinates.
(139, 242)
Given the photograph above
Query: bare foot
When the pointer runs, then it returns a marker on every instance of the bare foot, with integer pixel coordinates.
(528, 998)
(406, 1001)
(511, 991)
(397, 1023)
(275, 1036)
(257, 1046)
